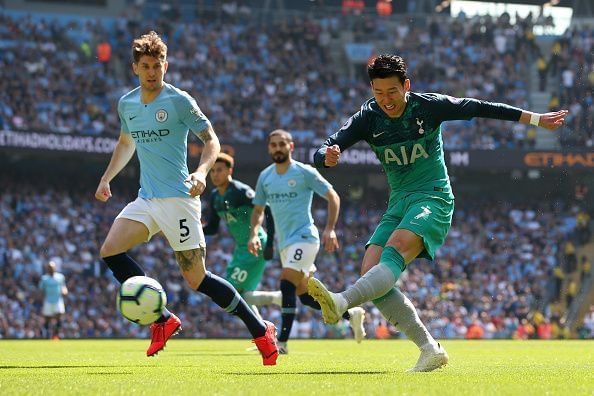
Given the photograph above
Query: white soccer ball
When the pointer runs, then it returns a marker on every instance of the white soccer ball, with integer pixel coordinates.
(141, 299)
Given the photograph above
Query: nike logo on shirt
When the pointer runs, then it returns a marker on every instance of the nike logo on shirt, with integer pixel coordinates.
(378, 134)
(183, 240)
(133, 117)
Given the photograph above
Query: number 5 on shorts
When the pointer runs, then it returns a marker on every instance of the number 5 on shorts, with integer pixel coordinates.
(184, 233)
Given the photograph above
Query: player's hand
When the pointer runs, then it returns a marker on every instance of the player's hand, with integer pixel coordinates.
(332, 155)
(268, 251)
(103, 192)
(197, 182)
(553, 120)
(254, 246)
(329, 240)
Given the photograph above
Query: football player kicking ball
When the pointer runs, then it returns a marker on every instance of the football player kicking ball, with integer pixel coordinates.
(156, 118)
(231, 200)
(403, 128)
(287, 186)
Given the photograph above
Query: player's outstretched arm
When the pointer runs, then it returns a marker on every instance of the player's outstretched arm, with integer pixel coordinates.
(212, 148)
(122, 153)
(254, 243)
(552, 120)
(329, 238)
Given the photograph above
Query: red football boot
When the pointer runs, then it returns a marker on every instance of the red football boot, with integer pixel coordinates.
(160, 333)
(267, 345)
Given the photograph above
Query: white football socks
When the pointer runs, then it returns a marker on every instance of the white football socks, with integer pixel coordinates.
(263, 297)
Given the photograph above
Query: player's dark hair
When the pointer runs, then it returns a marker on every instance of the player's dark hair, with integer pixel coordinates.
(225, 159)
(282, 133)
(149, 44)
(386, 66)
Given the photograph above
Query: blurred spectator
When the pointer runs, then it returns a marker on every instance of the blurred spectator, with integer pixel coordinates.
(541, 65)
(585, 269)
(570, 258)
(583, 232)
(572, 290)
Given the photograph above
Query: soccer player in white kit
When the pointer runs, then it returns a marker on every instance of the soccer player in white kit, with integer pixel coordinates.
(287, 186)
(155, 119)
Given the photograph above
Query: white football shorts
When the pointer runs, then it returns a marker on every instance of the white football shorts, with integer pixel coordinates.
(178, 218)
(300, 257)
(51, 309)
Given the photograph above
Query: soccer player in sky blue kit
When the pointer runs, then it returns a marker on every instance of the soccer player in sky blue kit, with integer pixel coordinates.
(403, 128)
(53, 286)
(287, 186)
(155, 119)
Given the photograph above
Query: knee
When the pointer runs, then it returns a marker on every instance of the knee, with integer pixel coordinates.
(288, 290)
(399, 243)
(405, 242)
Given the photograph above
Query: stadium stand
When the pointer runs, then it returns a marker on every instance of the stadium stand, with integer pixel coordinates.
(287, 73)
(489, 278)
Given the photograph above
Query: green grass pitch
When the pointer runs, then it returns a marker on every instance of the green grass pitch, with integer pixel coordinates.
(313, 367)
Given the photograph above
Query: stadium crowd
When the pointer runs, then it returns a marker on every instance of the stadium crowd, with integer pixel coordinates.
(488, 281)
(65, 76)
(572, 66)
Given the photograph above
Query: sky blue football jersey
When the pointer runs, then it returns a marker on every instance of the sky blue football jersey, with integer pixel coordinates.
(289, 197)
(52, 287)
(160, 131)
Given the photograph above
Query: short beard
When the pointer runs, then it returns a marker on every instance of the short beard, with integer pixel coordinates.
(280, 159)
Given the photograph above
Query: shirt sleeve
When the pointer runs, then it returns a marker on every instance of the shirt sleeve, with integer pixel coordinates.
(269, 220)
(212, 225)
(246, 195)
(354, 130)
(316, 181)
(191, 115)
(447, 108)
(260, 197)
(124, 126)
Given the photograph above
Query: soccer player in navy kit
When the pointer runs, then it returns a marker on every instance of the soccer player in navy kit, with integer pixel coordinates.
(403, 128)
(155, 119)
(231, 200)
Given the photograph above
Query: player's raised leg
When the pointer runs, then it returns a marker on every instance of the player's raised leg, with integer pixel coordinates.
(402, 247)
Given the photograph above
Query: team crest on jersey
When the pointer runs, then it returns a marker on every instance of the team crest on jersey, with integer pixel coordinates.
(420, 124)
(292, 183)
(161, 115)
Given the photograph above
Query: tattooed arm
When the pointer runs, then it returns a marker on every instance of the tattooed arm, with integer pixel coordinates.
(211, 149)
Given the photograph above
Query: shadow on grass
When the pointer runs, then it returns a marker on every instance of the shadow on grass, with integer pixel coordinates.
(211, 354)
(317, 373)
